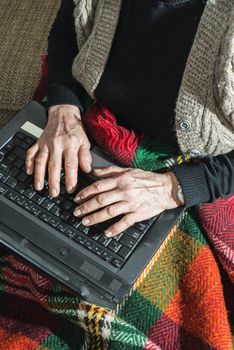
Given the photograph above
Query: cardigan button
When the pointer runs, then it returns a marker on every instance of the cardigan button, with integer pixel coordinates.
(194, 153)
(185, 125)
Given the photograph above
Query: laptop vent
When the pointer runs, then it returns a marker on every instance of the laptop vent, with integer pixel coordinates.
(92, 270)
(115, 285)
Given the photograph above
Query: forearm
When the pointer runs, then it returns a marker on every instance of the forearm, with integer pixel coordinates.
(207, 179)
(62, 49)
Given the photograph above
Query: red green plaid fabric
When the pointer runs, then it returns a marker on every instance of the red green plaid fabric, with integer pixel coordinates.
(183, 300)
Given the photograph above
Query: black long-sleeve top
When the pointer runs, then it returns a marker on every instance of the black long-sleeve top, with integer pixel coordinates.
(141, 80)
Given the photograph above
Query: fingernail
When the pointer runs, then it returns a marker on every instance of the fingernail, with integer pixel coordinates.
(54, 192)
(77, 212)
(39, 186)
(87, 168)
(109, 234)
(77, 199)
(71, 189)
(85, 221)
(28, 171)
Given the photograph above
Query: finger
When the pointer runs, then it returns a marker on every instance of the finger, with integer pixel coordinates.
(122, 225)
(96, 188)
(54, 170)
(109, 212)
(85, 158)
(40, 169)
(98, 202)
(32, 152)
(71, 169)
(109, 171)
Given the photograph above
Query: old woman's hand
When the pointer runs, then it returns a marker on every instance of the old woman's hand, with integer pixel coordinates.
(133, 193)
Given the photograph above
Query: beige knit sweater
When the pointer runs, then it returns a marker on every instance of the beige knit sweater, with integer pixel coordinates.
(205, 106)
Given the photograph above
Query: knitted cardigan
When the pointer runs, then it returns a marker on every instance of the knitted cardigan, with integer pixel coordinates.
(204, 118)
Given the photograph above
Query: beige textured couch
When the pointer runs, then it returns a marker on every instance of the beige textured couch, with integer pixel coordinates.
(24, 28)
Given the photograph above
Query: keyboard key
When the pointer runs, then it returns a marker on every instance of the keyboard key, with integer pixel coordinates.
(104, 240)
(29, 193)
(54, 222)
(114, 246)
(47, 204)
(3, 189)
(117, 237)
(29, 141)
(11, 182)
(63, 190)
(2, 156)
(10, 146)
(3, 176)
(13, 171)
(29, 181)
(35, 211)
(20, 153)
(62, 227)
(83, 229)
(5, 167)
(134, 233)
(22, 177)
(70, 233)
(74, 221)
(95, 236)
(124, 252)
(117, 263)
(45, 217)
(17, 141)
(67, 205)
(58, 200)
(64, 215)
(20, 136)
(12, 196)
(127, 241)
(97, 250)
(80, 239)
(89, 245)
(20, 200)
(20, 188)
(10, 159)
(24, 146)
(19, 163)
(143, 226)
(38, 199)
(55, 210)
(27, 205)
(106, 256)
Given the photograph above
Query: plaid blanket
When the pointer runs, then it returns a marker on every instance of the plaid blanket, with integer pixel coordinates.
(184, 299)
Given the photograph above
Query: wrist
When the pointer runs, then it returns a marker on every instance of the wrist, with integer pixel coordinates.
(176, 191)
(64, 112)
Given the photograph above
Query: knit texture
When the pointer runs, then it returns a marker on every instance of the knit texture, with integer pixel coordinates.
(24, 28)
(97, 23)
(205, 99)
(183, 300)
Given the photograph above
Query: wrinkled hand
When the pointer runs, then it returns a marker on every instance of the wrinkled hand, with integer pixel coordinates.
(135, 193)
(63, 138)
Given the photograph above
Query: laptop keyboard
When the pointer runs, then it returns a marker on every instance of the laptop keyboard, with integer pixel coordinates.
(18, 187)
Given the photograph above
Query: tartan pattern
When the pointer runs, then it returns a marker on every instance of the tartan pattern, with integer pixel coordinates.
(183, 299)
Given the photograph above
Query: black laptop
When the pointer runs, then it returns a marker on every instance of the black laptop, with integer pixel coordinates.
(45, 232)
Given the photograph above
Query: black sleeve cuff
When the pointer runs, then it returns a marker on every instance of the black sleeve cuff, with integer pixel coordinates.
(193, 182)
(60, 94)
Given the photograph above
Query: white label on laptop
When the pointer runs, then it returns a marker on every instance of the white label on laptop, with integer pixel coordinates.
(32, 129)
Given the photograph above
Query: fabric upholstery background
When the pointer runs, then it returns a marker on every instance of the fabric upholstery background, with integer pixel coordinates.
(24, 28)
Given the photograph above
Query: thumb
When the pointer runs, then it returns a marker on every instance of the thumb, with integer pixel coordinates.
(109, 171)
